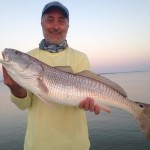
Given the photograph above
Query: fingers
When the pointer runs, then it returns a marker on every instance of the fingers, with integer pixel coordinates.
(88, 104)
(7, 79)
(15, 88)
(5, 74)
(97, 109)
(91, 105)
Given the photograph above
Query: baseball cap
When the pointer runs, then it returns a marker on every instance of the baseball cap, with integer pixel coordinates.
(56, 4)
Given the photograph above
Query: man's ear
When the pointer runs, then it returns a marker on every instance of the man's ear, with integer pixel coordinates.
(42, 21)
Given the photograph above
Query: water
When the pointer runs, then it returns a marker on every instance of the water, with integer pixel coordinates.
(119, 131)
(12, 123)
(116, 131)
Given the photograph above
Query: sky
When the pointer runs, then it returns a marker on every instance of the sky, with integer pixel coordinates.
(114, 34)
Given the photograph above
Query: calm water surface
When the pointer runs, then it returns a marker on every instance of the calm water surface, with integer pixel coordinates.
(116, 131)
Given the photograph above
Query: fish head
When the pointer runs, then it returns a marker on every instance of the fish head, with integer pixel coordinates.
(15, 59)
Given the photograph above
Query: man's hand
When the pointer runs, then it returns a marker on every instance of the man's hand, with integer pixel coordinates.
(15, 88)
(7, 79)
(88, 104)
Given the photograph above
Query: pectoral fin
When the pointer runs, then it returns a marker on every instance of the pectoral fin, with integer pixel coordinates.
(42, 86)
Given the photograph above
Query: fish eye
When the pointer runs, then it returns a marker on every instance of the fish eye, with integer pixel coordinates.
(141, 105)
(16, 52)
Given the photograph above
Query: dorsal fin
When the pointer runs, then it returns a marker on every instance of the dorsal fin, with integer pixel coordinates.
(90, 74)
(64, 68)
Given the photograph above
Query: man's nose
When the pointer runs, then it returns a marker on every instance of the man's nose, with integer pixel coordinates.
(56, 25)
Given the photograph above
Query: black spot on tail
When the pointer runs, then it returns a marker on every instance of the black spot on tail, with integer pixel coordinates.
(143, 117)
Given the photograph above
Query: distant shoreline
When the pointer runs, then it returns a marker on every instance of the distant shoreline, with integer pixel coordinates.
(124, 72)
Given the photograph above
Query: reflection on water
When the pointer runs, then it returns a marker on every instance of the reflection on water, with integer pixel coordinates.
(119, 130)
(116, 131)
(12, 123)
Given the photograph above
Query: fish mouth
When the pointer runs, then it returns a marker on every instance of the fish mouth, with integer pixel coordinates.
(6, 57)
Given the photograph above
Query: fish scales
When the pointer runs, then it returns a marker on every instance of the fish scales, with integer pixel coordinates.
(75, 88)
(61, 85)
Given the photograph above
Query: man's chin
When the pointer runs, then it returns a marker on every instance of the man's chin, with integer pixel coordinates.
(56, 42)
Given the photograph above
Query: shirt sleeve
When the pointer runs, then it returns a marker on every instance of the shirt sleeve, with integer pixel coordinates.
(22, 103)
(82, 63)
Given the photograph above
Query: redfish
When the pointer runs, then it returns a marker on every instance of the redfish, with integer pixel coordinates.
(60, 85)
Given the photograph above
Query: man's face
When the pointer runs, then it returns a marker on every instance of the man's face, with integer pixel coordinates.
(55, 26)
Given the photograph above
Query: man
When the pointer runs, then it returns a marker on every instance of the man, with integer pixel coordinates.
(57, 127)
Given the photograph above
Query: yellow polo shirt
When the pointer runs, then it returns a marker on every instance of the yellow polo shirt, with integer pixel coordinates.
(56, 127)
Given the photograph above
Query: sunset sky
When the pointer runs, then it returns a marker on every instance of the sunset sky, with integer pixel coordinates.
(115, 34)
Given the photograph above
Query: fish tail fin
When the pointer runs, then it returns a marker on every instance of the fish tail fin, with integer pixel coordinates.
(143, 117)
